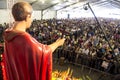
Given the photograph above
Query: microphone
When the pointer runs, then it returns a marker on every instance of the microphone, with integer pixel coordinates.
(64, 33)
(85, 6)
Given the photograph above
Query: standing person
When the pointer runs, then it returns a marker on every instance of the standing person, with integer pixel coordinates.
(24, 57)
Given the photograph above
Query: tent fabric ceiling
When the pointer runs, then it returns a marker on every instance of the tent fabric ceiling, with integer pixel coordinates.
(61, 4)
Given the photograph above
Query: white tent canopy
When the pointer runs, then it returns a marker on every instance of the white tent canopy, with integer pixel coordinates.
(61, 4)
(46, 9)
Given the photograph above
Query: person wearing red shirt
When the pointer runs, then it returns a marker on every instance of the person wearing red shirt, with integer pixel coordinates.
(24, 57)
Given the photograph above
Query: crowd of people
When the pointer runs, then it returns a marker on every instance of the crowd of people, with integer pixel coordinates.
(85, 43)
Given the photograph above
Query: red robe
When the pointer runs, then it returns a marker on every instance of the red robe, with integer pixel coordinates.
(25, 58)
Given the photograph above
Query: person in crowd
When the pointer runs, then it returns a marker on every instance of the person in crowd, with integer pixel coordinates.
(24, 57)
(117, 62)
(107, 63)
